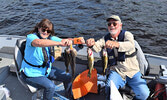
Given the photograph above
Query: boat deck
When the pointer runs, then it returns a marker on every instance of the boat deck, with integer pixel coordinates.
(18, 92)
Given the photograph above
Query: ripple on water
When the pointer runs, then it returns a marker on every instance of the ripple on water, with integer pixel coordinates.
(146, 19)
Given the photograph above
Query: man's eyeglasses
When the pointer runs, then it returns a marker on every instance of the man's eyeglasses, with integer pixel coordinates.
(48, 31)
(114, 24)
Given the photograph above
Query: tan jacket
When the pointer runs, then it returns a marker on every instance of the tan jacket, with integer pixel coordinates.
(130, 66)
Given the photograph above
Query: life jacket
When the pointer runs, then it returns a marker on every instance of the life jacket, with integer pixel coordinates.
(47, 59)
(113, 54)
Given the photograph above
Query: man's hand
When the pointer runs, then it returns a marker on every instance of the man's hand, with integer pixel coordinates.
(90, 42)
(82, 40)
(111, 44)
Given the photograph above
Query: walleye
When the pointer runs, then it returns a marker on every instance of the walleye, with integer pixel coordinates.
(90, 60)
(70, 54)
(73, 54)
(104, 60)
(67, 58)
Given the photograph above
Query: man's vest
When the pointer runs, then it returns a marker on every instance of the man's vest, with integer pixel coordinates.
(113, 54)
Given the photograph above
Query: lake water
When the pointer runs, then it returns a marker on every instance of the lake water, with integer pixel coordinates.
(146, 19)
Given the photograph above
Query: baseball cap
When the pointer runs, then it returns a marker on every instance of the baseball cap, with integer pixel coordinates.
(116, 17)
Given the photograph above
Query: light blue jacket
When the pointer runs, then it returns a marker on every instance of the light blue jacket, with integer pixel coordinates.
(34, 55)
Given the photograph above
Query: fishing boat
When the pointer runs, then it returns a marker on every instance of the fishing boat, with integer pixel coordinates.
(10, 80)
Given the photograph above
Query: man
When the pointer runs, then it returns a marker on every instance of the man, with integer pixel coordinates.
(123, 69)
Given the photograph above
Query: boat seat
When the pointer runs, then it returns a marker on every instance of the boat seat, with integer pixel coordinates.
(18, 57)
(164, 70)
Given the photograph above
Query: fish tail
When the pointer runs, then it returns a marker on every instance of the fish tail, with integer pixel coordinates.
(67, 70)
(89, 74)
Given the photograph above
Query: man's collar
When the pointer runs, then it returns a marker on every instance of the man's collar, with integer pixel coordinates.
(113, 38)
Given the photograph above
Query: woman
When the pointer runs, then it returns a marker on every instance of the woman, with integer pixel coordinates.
(36, 67)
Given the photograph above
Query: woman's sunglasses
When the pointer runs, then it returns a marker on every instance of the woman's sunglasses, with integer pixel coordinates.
(114, 24)
(48, 31)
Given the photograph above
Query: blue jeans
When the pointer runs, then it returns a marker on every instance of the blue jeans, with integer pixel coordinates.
(138, 85)
(47, 84)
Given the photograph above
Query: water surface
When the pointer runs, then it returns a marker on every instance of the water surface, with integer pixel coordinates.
(146, 19)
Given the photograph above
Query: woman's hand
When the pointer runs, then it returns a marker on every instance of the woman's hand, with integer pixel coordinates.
(90, 42)
(66, 42)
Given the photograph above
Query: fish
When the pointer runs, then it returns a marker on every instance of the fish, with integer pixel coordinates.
(73, 54)
(67, 58)
(70, 54)
(90, 58)
(104, 60)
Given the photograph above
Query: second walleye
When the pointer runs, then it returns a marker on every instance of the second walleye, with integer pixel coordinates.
(104, 60)
(70, 54)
